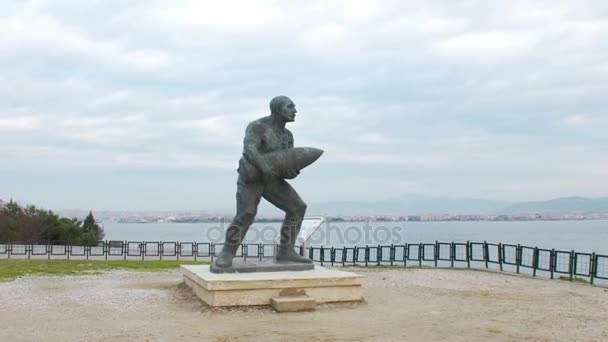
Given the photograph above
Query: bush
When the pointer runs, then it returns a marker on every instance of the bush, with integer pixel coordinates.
(29, 223)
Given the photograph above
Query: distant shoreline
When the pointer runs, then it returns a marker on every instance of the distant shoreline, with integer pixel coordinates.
(363, 220)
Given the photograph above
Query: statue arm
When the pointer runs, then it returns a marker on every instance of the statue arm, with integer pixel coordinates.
(251, 145)
(291, 174)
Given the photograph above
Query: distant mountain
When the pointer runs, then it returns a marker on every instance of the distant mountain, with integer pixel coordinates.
(403, 205)
(560, 205)
(414, 205)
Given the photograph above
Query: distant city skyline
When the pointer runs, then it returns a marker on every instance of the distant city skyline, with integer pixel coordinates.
(142, 105)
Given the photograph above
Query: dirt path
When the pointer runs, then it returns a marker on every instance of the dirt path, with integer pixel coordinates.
(415, 304)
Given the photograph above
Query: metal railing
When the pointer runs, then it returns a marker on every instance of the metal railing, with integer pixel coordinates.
(504, 257)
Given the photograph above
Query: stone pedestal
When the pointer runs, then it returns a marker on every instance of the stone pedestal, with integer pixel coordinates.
(238, 289)
(256, 266)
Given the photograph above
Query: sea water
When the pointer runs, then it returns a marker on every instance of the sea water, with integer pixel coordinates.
(581, 236)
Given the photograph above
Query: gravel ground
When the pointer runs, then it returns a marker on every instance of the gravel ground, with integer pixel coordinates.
(412, 304)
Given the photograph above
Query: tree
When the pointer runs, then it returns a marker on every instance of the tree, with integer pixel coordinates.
(90, 225)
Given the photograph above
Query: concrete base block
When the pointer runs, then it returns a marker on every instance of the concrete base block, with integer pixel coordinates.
(293, 303)
(238, 289)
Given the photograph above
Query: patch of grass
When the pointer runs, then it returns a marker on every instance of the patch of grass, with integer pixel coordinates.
(575, 279)
(15, 268)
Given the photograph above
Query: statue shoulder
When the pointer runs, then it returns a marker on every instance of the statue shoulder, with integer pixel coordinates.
(258, 126)
(288, 133)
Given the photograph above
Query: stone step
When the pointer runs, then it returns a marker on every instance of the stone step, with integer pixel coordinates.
(293, 303)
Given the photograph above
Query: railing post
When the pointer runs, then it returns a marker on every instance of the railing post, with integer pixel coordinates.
(518, 257)
(469, 254)
(261, 251)
(486, 253)
(420, 254)
(322, 256)
(552, 262)
(572, 265)
(392, 256)
(500, 255)
(592, 268)
(534, 261)
(161, 250)
(436, 254)
(366, 255)
(406, 254)
(452, 253)
(378, 255)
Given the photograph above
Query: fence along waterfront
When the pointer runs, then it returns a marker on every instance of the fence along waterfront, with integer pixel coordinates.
(504, 257)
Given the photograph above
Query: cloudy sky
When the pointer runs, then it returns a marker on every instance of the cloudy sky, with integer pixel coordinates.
(143, 104)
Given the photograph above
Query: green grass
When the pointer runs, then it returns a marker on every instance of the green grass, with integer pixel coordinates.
(16, 268)
(575, 279)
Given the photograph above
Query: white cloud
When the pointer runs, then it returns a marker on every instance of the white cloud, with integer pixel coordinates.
(375, 138)
(211, 130)
(323, 36)
(576, 120)
(420, 24)
(18, 123)
(485, 45)
(44, 35)
(405, 160)
(220, 14)
(452, 97)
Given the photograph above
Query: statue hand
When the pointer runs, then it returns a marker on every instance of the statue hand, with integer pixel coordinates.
(269, 173)
(291, 174)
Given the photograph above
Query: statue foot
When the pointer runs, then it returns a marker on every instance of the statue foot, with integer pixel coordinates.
(287, 254)
(224, 259)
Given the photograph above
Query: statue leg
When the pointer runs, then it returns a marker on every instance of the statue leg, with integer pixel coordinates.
(247, 199)
(284, 197)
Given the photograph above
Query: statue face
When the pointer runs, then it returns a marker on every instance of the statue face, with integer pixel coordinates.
(288, 111)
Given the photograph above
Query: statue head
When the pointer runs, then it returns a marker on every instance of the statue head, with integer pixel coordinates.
(284, 108)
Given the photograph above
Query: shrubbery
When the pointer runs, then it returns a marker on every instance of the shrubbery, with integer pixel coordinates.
(29, 223)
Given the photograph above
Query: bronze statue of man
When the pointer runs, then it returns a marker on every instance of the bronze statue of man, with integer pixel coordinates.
(263, 136)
